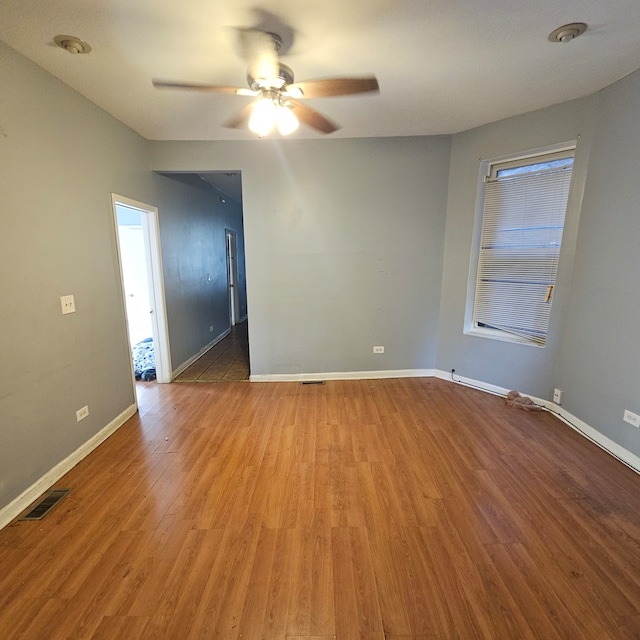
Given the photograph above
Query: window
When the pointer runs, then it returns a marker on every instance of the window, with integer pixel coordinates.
(525, 201)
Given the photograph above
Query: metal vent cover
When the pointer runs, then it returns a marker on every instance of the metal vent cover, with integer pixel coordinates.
(42, 508)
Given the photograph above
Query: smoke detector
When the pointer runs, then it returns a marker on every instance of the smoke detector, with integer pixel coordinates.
(568, 32)
(72, 44)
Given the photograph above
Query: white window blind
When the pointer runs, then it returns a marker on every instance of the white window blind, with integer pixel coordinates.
(522, 225)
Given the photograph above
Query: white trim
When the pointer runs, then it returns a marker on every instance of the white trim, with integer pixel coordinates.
(159, 323)
(151, 224)
(486, 174)
(470, 382)
(560, 147)
(530, 158)
(497, 334)
(17, 506)
(586, 430)
(192, 359)
(342, 375)
(611, 447)
(231, 252)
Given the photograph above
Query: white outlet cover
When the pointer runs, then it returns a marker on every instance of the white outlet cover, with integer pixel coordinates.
(632, 418)
(68, 304)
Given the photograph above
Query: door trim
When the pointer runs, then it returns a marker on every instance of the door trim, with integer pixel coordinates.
(153, 255)
(231, 249)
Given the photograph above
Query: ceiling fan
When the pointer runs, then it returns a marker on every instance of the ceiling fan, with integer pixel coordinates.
(278, 96)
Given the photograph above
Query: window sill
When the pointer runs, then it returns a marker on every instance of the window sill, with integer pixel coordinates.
(503, 336)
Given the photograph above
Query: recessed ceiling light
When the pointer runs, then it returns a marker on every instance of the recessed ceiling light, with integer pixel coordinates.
(72, 44)
(568, 32)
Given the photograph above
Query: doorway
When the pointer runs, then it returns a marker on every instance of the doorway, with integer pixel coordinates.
(232, 277)
(138, 241)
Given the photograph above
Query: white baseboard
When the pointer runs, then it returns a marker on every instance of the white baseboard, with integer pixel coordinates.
(17, 506)
(586, 430)
(611, 447)
(470, 382)
(342, 375)
(190, 361)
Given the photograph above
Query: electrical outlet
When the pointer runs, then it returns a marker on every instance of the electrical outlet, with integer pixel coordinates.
(81, 414)
(632, 418)
(378, 349)
(557, 396)
(68, 304)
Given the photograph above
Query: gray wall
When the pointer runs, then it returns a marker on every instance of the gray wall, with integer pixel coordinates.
(60, 158)
(593, 348)
(526, 368)
(344, 247)
(598, 368)
(192, 230)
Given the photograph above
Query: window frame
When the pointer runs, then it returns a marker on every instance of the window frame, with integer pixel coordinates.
(488, 172)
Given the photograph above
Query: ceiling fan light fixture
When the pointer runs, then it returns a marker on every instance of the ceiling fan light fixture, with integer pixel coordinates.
(263, 116)
(270, 112)
(260, 79)
(286, 120)
(272, 83)
(295, 92)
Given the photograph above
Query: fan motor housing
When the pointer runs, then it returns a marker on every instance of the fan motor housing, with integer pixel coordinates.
(285, 77)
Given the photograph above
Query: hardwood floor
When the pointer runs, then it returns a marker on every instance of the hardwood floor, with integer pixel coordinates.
(227, 361)
(378, 509)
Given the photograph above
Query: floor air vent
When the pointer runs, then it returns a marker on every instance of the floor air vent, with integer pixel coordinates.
(46, 504)
(312, 382)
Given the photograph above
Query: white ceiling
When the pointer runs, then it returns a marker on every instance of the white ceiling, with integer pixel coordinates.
(443, 65)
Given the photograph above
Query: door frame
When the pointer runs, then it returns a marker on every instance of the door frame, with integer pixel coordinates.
(231, 249)
(153, 257)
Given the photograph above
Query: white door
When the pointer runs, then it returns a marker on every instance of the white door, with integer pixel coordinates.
(135, 279)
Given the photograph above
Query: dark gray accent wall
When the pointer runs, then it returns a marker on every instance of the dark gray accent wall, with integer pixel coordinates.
(598, 368)
(193, 221)
(344, 247)
(525, 368)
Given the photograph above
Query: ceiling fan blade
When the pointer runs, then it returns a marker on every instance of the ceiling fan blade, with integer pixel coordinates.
(193, 86)
(260, 50)
(241, 118)
(333, 87)
(311, 117)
